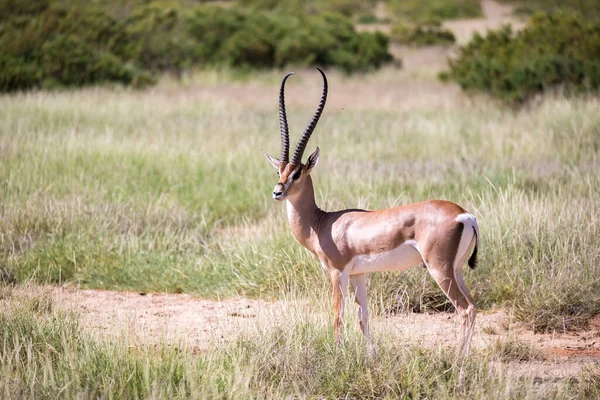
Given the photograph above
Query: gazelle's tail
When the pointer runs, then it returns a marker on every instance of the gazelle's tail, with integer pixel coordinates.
(473, 259)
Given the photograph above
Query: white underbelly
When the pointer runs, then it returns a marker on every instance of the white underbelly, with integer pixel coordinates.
(398, 259)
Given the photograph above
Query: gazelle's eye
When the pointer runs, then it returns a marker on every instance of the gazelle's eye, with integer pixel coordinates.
(297, 175)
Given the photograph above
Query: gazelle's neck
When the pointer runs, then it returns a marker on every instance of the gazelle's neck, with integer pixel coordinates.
(304, 215)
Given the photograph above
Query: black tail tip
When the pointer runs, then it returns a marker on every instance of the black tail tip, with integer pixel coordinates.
(473, 258)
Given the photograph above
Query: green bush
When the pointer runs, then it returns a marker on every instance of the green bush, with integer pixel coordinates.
(587, 8)
(419, 11)
(235, 38)
(157, 39)
(346, 48)
(423, 34)
(61, 43)
(19, 8)
(348, 8)
(61, 47)
(557, 50)
(367, 18)
(69, 61)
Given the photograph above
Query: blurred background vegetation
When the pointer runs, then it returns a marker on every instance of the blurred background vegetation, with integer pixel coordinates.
(70, 43)
(165, 189)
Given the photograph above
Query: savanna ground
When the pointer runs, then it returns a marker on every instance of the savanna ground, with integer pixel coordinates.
(110, 196)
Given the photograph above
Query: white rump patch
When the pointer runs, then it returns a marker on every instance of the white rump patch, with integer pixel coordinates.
(466, 218)
(470, 224)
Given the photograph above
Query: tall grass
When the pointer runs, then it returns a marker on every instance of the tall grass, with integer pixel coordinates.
(166, 190)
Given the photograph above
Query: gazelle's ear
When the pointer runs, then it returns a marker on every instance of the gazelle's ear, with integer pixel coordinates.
(312, 161)
(274, 161)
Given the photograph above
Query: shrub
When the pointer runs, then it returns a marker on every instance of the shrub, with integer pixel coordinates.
(423, 34)
(59, 43)
(263, 39)
(367, 18)
(587, 8)
(157, 39)
(18, 8)
(346, 48)
(60, 47)
(302, 48)
(69, 61)
(348, 8)
(419, 11)
(557, 50)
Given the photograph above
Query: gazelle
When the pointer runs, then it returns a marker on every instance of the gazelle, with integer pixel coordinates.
(352, 243)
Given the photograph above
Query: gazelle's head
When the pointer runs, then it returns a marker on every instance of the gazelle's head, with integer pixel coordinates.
(293, 174)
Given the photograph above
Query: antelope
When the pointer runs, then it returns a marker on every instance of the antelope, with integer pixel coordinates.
(352, 243)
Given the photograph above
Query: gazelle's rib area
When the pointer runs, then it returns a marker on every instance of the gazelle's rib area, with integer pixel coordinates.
(398, 259)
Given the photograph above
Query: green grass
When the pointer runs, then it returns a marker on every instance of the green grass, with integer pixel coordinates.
(166, 190)
(420, 11)
(588, 8)
(46, 354)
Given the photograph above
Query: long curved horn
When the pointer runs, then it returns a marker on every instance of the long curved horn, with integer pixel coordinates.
(301, 146)
(285, 135)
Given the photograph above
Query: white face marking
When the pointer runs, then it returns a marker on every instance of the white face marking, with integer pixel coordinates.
(398, 259)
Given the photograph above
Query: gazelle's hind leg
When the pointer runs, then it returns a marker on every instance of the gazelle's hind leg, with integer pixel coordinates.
(468, 320)
(444, 254)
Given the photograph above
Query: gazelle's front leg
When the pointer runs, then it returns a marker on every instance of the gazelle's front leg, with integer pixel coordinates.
(359, 285)
(340, 288)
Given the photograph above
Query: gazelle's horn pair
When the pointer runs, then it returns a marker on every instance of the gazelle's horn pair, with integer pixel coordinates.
(285, 137)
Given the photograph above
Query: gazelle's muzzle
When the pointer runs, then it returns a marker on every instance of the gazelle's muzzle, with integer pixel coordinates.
(278, 192)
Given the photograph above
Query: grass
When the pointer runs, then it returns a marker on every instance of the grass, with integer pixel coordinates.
(435, 9)
(166, 190)
(588, 8)
(514, 350)
(47, 354)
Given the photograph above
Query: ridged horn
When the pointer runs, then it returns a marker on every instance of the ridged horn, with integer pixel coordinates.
(285, 135)
(301, 146)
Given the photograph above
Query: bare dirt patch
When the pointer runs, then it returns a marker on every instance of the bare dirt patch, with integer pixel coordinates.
(154, 318)
(202, 323)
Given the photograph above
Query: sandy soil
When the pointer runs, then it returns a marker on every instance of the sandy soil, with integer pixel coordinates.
(153, 318)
